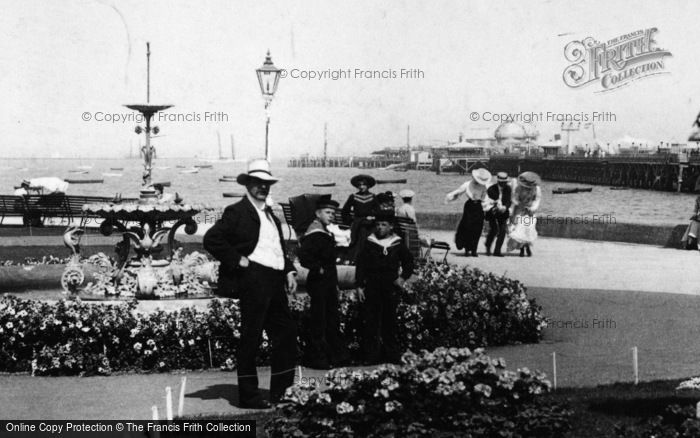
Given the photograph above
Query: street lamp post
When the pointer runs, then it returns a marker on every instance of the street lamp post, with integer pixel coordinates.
(268, 77)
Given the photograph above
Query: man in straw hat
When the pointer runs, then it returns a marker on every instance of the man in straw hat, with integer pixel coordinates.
(248, 242)
(469, 228)
(496, 212)
(318, 255)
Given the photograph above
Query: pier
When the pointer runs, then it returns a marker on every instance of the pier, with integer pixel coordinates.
(664, 172)
(372, 162)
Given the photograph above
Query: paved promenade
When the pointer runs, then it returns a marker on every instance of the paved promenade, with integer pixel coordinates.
(573, 280)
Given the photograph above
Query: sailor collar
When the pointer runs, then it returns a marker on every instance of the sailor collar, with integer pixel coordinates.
(386, 242)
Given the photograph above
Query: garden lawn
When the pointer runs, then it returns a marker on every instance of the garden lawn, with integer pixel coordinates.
(665, 328)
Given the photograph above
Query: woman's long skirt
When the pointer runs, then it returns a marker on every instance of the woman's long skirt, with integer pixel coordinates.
(469, 229)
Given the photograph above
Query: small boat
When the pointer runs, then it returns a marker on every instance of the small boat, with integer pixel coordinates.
(116, 175)
(81, 172)
(164, 183)
(190, 171)
(328, 184)
(84, 181)
(180, 167)
(391, 181)
(233, 195)
(619, 188)
(227, 179)
(204, 166)
(229, 176)
(567, 190)
(116, 168)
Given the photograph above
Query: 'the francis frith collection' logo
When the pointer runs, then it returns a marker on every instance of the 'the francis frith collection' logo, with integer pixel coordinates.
(616, 62)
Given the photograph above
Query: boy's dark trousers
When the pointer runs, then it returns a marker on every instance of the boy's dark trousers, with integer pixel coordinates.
(264, 305)
(497, 229)
(326, 342)
(379, 341)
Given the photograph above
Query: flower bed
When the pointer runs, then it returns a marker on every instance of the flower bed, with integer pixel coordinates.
(445, 306)
(439, 393)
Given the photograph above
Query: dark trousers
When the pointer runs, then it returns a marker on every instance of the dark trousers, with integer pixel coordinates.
(497, 230)
(379, 340)
(264, 305)
(326, 342)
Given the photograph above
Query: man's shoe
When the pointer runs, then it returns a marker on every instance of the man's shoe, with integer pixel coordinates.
(474, 254)
(488, 251)
(498, 254)
(256, 404)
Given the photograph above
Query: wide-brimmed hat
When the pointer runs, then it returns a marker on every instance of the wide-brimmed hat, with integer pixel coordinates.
(406, 193)
(529, 179)
(258, 169)
(502, 177)
(481, 176)
(326, 202)
(355, 180)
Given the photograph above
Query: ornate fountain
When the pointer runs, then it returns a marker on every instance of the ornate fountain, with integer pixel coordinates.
(144, 224)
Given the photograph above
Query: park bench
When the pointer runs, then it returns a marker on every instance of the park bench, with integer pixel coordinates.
(11, 206)
(35, 209)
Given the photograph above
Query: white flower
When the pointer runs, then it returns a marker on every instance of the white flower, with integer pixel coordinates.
(393, 405)
(79, 324)
(9, 325)
(191, 342)
(484, 389)
(344, 408)
(137, 346)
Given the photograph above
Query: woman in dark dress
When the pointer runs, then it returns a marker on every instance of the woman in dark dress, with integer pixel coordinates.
(469, 228)
(359, 210)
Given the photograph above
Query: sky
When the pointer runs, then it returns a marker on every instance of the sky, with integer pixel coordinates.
(62, 60)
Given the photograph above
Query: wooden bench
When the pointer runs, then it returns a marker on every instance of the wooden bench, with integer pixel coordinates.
(35, 209)
(11, 206)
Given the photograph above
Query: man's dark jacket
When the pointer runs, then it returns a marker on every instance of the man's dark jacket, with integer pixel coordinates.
(236, 235)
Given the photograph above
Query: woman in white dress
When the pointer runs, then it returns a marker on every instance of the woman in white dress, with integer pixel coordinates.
(526, 200)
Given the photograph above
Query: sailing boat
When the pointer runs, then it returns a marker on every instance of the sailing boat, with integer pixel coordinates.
(221, 158)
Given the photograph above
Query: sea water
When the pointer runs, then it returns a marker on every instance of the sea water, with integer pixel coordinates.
(623, 206)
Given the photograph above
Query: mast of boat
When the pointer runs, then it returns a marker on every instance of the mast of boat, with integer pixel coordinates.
(233, 150)
(325, 144)
(408, 144)
(218, 137)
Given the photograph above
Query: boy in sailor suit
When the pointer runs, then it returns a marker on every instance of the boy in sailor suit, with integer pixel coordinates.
(378, 282)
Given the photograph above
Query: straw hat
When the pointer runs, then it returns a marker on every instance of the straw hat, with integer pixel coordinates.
(529, 179)
(502, 177)
(355, 180)
(258, 169)
(406, 193)
(481, 176)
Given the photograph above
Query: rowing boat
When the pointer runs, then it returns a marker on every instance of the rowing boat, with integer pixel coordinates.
(85, 181)
(329, 184)
(391, 181)
(233, 195)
